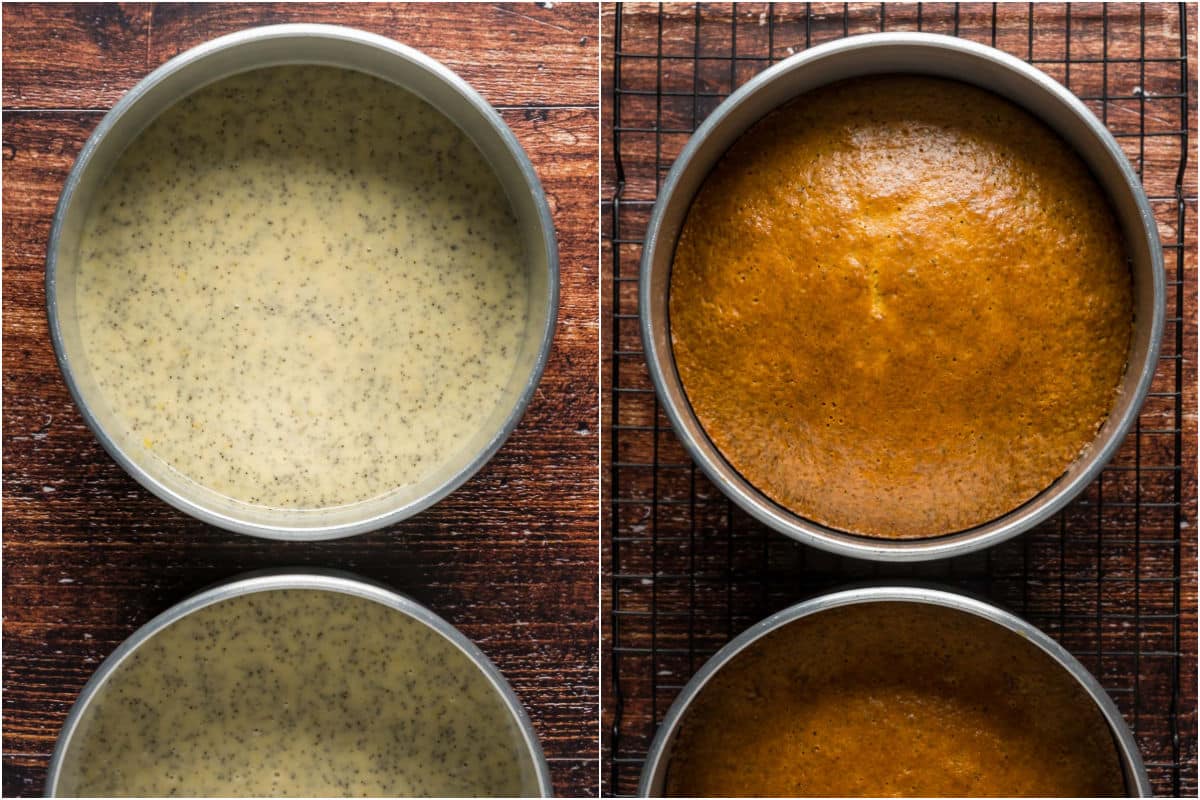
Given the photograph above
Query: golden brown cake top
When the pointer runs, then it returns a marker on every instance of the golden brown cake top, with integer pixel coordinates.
(900, 306)
(894, 699)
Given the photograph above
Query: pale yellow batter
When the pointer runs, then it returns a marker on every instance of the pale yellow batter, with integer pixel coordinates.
(298, 692)
(302, 287)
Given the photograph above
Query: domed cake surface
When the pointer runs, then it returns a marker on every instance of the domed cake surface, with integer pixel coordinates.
(900, 306)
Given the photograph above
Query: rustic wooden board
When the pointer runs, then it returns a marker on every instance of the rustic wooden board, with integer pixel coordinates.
(86, 56)
(688, 571)
(510, 558)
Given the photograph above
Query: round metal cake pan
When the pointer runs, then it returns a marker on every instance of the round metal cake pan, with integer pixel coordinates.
(654, 770)
(917, 54)
(279, 45)
(317, 580)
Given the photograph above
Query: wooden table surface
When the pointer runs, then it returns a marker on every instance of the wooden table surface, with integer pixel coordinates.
(510, 558)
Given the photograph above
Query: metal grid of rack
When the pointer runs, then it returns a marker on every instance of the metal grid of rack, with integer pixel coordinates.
(686, 570)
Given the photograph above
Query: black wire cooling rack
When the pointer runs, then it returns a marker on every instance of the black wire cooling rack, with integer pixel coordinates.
(1112, 577)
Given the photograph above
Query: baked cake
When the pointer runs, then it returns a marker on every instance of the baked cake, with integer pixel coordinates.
(900, 306)
(894, 699)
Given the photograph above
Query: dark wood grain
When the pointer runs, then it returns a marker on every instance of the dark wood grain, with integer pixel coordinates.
(1112, 577)
(86, 56)
(510, 558)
